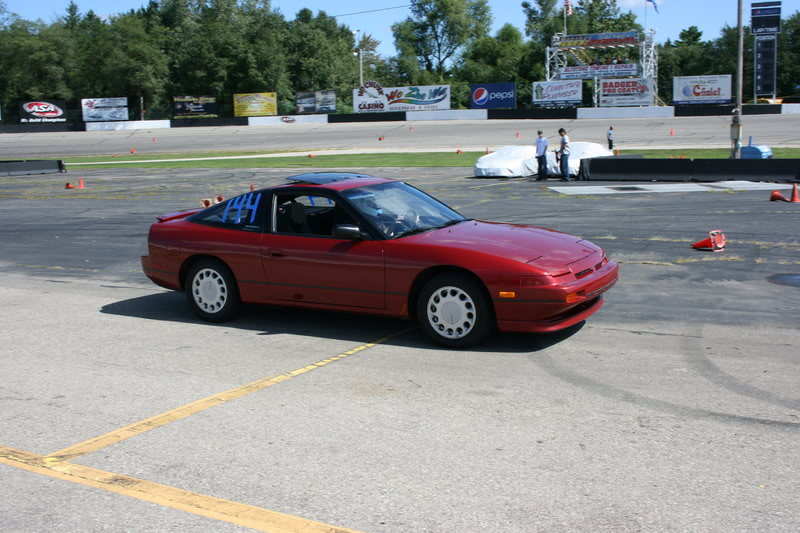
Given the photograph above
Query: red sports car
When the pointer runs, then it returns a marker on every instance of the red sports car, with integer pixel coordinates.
(351, 242)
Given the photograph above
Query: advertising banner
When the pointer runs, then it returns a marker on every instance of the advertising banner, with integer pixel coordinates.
(622, 38)
(104, 109)
(557, 93)
(372, 98)
(315, 102)
(38, 111)
(194, 107)
(701, 89)
(765, 18)
(493, 96)
(628, 92)
(586, 72)
(255, 104)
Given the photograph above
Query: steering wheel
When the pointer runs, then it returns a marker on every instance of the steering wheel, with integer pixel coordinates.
(406, 221)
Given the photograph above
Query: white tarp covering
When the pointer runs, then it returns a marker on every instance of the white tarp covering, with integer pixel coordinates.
(515, 161)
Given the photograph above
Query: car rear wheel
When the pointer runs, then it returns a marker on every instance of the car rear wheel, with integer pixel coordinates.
(454, 311)
(211, 291)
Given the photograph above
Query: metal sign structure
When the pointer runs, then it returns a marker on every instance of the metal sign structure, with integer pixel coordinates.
(569, 54)
(765, 25)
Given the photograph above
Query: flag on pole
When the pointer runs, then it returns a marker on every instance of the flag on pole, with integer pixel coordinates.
(568, 7)
(655, 6)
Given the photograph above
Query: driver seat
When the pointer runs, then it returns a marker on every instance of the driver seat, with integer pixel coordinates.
(298, 223)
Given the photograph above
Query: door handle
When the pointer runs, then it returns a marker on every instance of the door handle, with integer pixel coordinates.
(276, 253)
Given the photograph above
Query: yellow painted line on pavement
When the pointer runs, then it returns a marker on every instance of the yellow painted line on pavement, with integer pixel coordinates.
(137, 428)
(216, 508)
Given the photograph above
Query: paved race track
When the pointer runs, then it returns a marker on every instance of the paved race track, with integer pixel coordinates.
(675, 408)
(690, 132)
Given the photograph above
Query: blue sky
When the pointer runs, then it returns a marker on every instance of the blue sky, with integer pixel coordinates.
(674, 15)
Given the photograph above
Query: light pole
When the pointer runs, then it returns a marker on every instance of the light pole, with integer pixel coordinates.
(736, 125)
(360, 55)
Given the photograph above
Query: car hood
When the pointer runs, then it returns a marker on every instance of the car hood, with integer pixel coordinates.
(547, 249)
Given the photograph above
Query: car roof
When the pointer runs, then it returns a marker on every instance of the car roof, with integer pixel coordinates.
(337, 181)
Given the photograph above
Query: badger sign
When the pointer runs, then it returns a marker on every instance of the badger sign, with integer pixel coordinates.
(36, 111)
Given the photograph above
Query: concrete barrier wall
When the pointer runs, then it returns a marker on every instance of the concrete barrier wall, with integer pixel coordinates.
(625, 112)
(130, 125)
(458, 114)
(790, 109)
(23, 168)
(625, 169)
(287, 120)
(564, 113)
(389, 116)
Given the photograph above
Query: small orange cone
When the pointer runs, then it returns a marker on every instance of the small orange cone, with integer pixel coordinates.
(311, 155)
(672, 132)
(517, 135)
(252, 187)
(133, 150)
(81, 184)
(715, 242)
(459, 152)
(69, 186)
(381, 138)
(776, 196)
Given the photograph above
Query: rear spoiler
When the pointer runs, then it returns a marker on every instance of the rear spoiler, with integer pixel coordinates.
(177, 215)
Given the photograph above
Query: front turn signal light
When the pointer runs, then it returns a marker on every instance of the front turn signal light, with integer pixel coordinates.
(575, 296)
(507, 294)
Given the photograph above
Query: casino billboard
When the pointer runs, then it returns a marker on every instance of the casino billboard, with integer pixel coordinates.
(373, 98)
(39, 111)
(702, 89)
(493, 96)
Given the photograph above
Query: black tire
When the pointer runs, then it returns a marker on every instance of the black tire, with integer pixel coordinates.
(212, 291)
(454, 311)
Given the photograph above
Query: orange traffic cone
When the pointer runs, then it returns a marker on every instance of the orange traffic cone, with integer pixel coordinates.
(381, 138)
(672, 132)
(252, 187)
(81, 184)
(517, 135)
(795, 196)
(133, 150)
(311, 155)
(69, 186)
(776, 196)
(459, 152)
(715, 242)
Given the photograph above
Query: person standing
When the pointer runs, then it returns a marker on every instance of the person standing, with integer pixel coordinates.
(563, 151)
(610, 137)
(541, 155)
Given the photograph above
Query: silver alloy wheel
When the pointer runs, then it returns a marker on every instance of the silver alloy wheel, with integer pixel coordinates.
(209, 290)
(451, 312)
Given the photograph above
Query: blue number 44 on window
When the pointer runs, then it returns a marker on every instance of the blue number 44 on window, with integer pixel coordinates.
(241, 203)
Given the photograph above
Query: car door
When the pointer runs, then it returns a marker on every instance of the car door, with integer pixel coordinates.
(232, 231)
(305, 263)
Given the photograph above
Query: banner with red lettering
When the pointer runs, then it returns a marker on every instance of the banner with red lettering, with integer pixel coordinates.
(627, 92)
(702, 89)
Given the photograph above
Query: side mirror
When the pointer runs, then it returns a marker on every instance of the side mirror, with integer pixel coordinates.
(347, 231)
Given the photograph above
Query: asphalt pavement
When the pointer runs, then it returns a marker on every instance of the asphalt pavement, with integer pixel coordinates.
(675, 408)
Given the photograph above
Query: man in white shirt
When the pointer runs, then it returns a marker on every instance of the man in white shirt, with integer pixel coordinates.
(563, 151)
(541, 155)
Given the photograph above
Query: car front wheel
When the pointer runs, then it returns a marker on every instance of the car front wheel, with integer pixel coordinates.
(454, 311)
(211, 291)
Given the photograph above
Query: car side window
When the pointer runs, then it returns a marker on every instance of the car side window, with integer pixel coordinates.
(304, 214)
(244, 212)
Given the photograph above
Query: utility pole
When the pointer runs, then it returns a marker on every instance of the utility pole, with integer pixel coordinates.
(736, 125)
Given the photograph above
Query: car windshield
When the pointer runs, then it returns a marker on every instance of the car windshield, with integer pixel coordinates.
(398, 209)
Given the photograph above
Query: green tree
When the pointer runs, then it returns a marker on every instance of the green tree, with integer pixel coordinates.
(436, 32)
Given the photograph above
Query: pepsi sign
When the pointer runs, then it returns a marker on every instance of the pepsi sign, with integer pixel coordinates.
(34, 111)
(493, 96)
